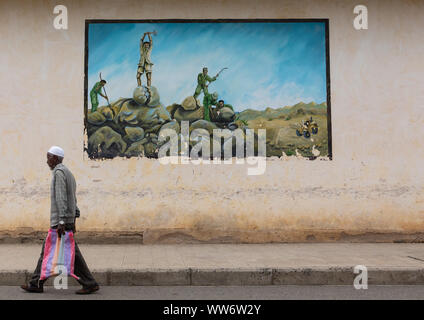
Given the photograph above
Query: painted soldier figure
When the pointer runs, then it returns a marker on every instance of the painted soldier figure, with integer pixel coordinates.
(221, 104)
(209, 100)
(96, 90)
(145, 64)
(202, 78)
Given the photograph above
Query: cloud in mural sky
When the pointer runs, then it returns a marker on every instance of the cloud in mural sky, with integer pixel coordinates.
(270, 64)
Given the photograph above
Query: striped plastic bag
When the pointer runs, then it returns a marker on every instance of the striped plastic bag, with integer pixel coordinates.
(58, 252)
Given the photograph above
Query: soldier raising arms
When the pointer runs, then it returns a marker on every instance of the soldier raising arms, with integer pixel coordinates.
(145, 64)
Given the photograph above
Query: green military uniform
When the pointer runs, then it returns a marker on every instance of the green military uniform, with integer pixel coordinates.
(208, 100)
(201, 84)
(97, 89)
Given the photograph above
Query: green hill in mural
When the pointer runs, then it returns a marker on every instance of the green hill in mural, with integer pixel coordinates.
(288, 111)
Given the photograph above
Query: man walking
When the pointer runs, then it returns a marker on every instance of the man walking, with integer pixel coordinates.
(63, 213)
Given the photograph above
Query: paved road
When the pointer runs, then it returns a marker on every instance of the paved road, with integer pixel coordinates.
(223, 293)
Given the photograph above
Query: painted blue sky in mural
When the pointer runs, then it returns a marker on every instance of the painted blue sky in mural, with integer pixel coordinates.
(270, 64)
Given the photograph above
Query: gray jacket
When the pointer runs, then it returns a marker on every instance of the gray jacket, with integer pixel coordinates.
(63, 196)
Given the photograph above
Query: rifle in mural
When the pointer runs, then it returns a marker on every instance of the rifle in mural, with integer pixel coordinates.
(216, 76)
(221, 71)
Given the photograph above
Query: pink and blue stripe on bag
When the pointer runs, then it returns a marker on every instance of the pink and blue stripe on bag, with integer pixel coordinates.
(58, 252)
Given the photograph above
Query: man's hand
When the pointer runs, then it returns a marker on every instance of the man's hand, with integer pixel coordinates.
(60, 230)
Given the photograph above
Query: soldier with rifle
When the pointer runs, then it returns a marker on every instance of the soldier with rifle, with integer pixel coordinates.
(202, 79)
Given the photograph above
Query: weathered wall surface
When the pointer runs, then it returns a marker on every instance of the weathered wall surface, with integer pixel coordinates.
(374, 184)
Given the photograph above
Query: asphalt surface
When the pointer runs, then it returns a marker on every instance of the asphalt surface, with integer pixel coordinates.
(223, 293)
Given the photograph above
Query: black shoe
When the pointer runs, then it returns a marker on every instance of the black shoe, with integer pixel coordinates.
(87, 290)
(29, 288)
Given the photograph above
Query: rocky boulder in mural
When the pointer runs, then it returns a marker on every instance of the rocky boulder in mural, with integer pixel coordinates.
(128, 127)
(131, 127)
(191, 110)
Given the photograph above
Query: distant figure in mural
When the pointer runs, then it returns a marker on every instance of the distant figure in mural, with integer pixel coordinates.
(224, 112)
(307, 123)
(202, 78)
(209, 100)
(63, 214)
(96, 90)
(145, 64)
(221, 104)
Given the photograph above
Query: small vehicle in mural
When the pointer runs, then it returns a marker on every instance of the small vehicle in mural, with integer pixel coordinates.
(306, 128)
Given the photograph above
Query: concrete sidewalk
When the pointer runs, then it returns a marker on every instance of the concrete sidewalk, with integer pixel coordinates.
(230, 264)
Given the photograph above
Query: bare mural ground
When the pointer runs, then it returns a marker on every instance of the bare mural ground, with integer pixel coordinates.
(285, 132)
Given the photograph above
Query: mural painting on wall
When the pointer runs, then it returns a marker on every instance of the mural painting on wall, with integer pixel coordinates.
(147, 76)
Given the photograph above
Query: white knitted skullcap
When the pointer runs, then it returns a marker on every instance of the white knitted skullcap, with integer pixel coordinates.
(57, 151)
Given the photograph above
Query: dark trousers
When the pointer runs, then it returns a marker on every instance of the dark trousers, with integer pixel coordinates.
(81, 270)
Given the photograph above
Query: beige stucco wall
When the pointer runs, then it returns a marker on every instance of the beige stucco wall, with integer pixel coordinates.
(373, 184)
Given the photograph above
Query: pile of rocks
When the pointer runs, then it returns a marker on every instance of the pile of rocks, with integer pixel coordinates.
(131, 127)
(191, 110)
